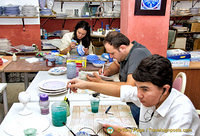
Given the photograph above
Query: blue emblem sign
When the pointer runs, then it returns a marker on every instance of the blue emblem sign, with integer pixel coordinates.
(150, 4)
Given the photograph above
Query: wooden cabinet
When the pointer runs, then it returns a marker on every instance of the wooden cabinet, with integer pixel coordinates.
(192, 84)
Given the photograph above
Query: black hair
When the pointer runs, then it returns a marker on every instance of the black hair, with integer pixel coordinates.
(155, 69)
(85, 40)
(116, 39)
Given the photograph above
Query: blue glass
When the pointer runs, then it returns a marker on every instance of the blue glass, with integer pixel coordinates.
(59, 114)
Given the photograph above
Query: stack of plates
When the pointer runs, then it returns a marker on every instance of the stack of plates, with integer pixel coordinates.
(53, 86)
(46, 12)
(11, 10)
(1, 11)
(29, 10)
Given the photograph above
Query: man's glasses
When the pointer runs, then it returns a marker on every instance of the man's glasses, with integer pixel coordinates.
(148, 116)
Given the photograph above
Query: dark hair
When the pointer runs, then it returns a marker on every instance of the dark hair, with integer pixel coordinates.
(116, 39)
(155, 69)
(85, 40)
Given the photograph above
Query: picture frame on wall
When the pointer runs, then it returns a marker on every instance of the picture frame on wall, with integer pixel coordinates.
(150, 7)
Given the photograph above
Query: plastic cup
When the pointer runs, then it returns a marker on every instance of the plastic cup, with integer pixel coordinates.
(59, 113)
(94, 101)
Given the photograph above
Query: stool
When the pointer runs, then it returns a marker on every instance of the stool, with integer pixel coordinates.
(3, 91)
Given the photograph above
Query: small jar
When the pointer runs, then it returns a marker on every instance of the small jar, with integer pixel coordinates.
(71, 70)
(44, 104)
(51, 61)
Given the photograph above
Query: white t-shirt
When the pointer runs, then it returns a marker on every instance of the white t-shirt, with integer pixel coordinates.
(176, 116)
(66, 40)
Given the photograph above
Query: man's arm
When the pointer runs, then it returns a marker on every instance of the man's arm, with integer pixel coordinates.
(108, 89)
(111, 70)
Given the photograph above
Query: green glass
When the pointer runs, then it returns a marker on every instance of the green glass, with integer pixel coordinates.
(94, 104)
(30, 132)
(59, 114)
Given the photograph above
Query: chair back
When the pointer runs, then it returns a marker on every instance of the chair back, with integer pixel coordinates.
(180, 82)
(171, 38)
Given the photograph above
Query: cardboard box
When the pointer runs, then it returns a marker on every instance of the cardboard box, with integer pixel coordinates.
(180, 62)
(193, 27)
(80, 62)
(98, 50)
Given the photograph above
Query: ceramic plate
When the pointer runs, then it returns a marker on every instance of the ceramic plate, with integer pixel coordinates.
(53, 84)
(57, 70)
(18, 125)
(56, 93)
(106, 78)
(52, 91)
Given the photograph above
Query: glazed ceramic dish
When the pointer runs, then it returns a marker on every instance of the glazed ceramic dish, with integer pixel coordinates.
(98, 63)
(53, 84)
(57, 70)
(92, 57)
(17, 126)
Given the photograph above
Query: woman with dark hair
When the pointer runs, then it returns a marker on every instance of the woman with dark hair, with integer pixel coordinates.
(81, 35)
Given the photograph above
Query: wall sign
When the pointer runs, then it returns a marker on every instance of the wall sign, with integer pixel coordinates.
(150, 7)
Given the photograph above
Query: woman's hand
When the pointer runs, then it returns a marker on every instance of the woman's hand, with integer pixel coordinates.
(86, 51)
(73, 45)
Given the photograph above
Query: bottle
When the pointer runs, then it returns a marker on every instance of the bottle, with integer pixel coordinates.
(45, 34)
(14, 57)
(44, 104)
(68, 105)
(1, 61)
(68, 55)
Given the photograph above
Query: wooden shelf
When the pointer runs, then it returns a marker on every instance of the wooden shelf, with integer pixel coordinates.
(21, 17)
(18, 17)
(188, 15)
(54, 16)
(83, 0)
(184, 0)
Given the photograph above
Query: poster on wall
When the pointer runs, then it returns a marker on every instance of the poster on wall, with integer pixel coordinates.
(150, 7)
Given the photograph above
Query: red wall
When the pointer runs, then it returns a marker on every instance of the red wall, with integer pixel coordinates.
(151, 31)
(57, 24)
(17, 36)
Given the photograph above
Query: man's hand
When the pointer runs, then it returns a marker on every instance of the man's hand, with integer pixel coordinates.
(94, 78)
(76, 83)
(106, 72)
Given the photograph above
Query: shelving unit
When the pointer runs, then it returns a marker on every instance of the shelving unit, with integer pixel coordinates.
(175, 2)
(22, 17)
(89, 1)
(178, 19)
(68, 18)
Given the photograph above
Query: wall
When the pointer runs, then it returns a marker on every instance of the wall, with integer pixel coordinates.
(12, 28)
(57, 24)
(151, 31)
